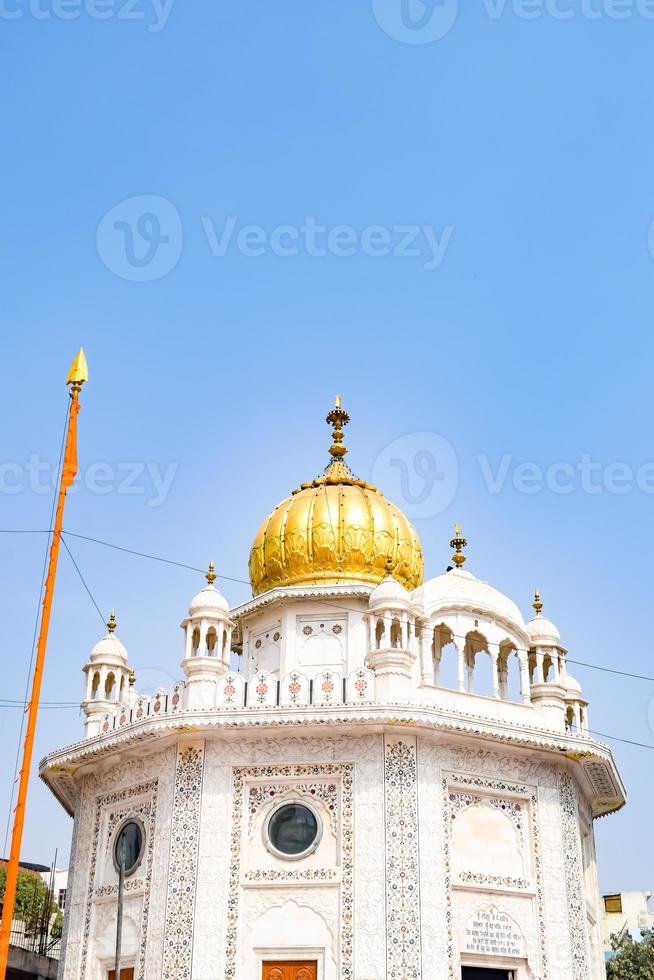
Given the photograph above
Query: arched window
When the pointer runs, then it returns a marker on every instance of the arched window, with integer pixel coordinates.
(110, 687)
(211, 641)
(396, 633)
(379, 632)
(570, 719)
(445, 658)
(195, 642)
(95, 685)
(508, 666)
(479, 669)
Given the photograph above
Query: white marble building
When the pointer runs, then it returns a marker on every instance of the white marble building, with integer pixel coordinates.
(352, 802)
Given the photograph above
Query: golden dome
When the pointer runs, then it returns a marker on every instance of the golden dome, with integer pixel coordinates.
(335, 529)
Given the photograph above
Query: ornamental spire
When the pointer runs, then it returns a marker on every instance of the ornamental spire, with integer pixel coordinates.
(79, 371)
(537, 604)
(211, 574)
(458, 542)
(338, 418)
(111, 624)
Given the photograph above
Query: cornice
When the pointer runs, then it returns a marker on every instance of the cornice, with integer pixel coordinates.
(604, 787)
(353, 590)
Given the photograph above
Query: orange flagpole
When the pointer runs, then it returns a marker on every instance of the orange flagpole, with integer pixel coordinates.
(77, 375)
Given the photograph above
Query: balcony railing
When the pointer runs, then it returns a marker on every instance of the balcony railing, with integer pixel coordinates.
(261, 690)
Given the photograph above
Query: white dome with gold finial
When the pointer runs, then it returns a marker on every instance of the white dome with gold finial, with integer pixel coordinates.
(541, 631)
(209, 600)
(109, 649)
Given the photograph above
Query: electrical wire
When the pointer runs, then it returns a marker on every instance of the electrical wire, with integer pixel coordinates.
(334, 605)
(6, 703)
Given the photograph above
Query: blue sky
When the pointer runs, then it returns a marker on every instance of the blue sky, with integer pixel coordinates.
(161, 163)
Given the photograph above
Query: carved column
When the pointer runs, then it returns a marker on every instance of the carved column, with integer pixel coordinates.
(426, 658)
(525, 687)
(496, 676)
(459, 646)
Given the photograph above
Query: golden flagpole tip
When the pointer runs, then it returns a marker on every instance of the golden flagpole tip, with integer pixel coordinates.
(79, 370)
(211, 574)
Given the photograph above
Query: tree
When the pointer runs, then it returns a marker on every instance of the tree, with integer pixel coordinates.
(633, 961)
(33, 897)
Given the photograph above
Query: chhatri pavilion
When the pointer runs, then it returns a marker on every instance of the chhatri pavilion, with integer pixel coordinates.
(360, 775)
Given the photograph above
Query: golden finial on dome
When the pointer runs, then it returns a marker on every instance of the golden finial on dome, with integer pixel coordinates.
(458, 542)
(132, 678)
(111, 624)
(338, 418)
(211, 574)
(537, 604)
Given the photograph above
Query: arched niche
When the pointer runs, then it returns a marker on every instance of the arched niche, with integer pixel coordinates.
(485, 841)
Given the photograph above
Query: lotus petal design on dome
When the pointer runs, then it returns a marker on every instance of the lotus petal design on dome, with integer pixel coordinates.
(335, 529)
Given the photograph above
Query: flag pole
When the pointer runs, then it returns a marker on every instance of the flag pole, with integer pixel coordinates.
(77, 375)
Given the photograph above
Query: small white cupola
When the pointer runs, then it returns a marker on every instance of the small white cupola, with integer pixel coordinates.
(547, 671)
(109, 678)
(546, 655)
(391, 637)
(208, 643)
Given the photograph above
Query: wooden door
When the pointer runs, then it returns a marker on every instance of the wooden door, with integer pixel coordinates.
(290, 970)
(126, 973)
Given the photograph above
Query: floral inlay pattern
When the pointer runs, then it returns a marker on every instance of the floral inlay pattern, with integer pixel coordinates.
(261, 793)
(403, 950)
(115, 799)
(183, 864)
(273, 777)
(523, 813)
(574, 879)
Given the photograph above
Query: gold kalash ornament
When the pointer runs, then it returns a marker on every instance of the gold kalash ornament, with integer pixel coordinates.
(335, 529)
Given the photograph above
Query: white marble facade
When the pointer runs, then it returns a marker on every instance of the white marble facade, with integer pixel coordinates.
(409, 880)
(437, 739)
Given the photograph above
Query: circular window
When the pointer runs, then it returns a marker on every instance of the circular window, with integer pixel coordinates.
(129, 846)
(292, 830)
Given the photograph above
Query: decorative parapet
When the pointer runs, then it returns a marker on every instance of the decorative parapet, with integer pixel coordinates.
(260, 690)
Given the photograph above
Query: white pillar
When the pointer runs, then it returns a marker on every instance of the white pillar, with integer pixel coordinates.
(426, 658)
(460, 663)
(540, 674)
(496, 676)
(525, 687)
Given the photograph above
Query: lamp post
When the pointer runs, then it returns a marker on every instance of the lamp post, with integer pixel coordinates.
(120, 860)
